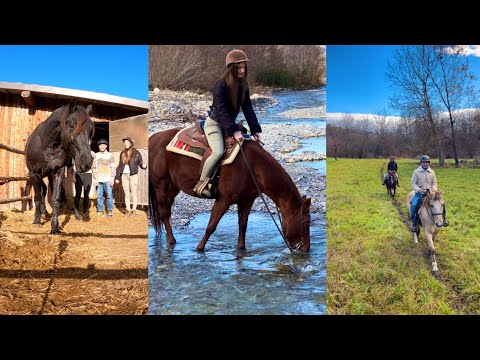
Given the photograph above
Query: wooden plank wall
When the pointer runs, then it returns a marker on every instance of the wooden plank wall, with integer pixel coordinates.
(17, 119)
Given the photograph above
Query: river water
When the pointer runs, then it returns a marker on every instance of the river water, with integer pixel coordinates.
(264, 279)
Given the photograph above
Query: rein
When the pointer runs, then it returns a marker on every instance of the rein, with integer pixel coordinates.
(431, 214)
(266, 206)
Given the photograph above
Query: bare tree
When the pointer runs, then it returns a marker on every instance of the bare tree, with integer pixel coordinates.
(410, 74)
(452, 80)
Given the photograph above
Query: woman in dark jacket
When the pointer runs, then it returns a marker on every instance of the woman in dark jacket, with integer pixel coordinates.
(392, 168)
(231, 93)
(127, 171)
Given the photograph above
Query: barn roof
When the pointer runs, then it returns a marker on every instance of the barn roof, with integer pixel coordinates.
(64, 93)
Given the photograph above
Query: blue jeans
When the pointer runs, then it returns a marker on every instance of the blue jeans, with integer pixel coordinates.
(414, 208)
(104, 186)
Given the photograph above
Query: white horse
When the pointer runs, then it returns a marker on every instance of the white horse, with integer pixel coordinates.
(430, 215)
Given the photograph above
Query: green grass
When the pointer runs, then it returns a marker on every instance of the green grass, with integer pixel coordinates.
(373, 266)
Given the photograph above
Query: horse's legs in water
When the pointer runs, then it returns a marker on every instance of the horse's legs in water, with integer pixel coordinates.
(219, 209)
(39, 195)
(431, 248)
(166, 193)
(244, 208)
(56, 197)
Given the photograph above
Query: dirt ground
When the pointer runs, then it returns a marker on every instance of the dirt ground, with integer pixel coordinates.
(94, 267)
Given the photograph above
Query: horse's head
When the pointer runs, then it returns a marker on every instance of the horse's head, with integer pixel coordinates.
(296, 227)
(77, 132)
(435, 204)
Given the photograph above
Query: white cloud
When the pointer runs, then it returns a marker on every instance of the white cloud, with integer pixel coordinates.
(469, 50)
(356, 116)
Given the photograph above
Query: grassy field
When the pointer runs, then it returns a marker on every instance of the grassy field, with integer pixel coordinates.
(373, 266)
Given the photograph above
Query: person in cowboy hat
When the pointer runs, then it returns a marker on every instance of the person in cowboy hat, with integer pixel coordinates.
(127, 172)
(231, 92)
(423, 179)
(392, 168)
(104, 174)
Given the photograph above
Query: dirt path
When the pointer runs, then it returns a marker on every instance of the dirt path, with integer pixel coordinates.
(454, 294)
(94, 267)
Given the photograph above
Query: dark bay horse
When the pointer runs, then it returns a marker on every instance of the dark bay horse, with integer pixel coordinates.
(64, 135)
(391, 184)
(171, 172)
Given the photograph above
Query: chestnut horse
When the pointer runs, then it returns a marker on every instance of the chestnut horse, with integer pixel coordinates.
(171, 172)
(431, 219)
(64, 135)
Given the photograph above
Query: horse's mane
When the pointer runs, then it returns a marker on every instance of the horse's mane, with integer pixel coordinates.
(270, 161)
(82, 120)
(437, 195)
(433, 196)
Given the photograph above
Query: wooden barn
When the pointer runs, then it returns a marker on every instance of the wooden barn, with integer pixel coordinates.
(24, 106)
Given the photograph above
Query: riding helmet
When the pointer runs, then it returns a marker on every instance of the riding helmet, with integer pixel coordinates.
(235, 56)
(425, 158)
(102, 141)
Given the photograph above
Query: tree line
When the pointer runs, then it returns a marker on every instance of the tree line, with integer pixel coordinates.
(382, 136)
(198, 67)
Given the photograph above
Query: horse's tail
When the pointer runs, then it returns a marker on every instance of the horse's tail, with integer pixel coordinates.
(153, 208)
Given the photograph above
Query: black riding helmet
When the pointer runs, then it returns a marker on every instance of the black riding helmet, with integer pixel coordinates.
(102, 141)
(425, 158)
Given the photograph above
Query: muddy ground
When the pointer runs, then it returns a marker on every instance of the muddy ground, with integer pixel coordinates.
(93, 267)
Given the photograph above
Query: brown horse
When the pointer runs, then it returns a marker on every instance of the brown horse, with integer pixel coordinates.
(171, 172)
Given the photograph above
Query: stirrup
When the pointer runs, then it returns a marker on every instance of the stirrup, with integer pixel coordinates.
(201, 188)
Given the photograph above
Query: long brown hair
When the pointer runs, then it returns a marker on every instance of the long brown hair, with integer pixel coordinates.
(231, 77)
(126, 155)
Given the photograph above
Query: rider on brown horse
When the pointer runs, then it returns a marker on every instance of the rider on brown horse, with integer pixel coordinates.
(423, 179)
(230, 93)
(392, 169)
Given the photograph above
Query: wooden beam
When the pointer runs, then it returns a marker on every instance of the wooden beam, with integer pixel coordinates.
(28, 97)
(12, 178)
(9, 148)
(6, 201)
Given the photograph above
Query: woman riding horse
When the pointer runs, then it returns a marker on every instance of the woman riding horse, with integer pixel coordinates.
(231, 93)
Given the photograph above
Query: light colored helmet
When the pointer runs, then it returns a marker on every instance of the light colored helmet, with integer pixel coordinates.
(235, 56)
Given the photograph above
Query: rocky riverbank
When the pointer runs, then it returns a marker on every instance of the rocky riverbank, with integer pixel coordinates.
(307, 113)
(170, 109)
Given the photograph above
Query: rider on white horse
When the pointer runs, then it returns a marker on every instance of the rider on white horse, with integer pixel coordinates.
(423, 179)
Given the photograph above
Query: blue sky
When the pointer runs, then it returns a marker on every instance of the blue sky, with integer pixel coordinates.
(115, 70)
(356, 78)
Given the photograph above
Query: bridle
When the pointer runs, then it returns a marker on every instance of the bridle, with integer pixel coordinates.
(431, 214)
(299, 244)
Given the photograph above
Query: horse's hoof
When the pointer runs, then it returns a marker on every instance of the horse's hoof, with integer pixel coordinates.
(55, 231)
(201, 249)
